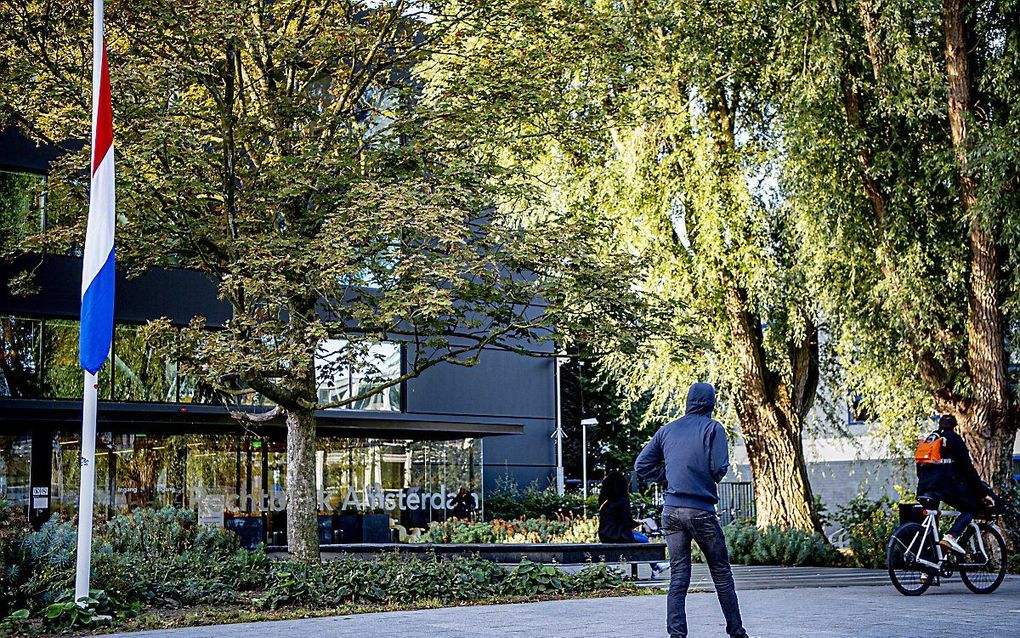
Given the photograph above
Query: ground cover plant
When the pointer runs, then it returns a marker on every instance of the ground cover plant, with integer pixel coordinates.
(561, 529)
(150, 567)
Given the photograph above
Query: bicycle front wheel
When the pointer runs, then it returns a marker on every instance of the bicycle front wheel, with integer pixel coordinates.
(987, 578)
(907, 575)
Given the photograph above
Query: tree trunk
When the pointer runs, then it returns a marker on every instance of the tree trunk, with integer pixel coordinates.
(988, 426)
(302, 495)
(782, 491)
(771, 419)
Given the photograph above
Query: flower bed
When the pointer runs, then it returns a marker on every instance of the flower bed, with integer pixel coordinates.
(152, 566)
(530, 530)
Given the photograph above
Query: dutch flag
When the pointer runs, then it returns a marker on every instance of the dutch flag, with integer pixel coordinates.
(98, 267)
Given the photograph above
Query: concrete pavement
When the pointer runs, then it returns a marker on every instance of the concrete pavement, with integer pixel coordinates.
(827, 612)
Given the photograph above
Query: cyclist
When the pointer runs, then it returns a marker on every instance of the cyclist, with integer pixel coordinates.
(953, 479)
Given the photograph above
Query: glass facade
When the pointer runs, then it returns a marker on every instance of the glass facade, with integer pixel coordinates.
(39, 359)
(15, 457)
(343, 374)
(20, 357)
(233, 478)
(22, 209)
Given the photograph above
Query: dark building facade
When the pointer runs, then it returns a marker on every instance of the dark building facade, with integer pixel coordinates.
(164, 439)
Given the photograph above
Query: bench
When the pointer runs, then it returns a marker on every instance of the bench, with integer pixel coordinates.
(508, 553)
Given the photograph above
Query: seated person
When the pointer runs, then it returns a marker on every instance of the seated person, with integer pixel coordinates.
(950, 476)
(616, 525)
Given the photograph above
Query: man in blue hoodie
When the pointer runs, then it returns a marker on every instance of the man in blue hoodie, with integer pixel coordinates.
(690, 456)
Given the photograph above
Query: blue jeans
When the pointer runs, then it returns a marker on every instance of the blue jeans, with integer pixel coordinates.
(681, 525)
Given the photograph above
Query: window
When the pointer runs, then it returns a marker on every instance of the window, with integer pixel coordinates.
(15, 454)
(339, 380)
(20, 354)
(139, 374)
(62, 374)
(21, 208)
(39, 359)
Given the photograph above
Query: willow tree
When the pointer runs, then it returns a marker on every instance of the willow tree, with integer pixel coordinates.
(294, 152)
(663, 130)
(901, 123)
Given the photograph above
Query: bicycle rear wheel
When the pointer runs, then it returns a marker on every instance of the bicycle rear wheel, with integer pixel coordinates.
(909, 577)
(986, 579)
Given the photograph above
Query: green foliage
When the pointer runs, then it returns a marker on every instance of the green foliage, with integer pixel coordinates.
(748, 545)
(508, 501)
(409, 579)
(14, 530)
(869, 525)
(164, 532)
(598, 577)
(67, 614)
(792, 547)
(293, 583)
(530, 578)
(525, 530)
(15, 623)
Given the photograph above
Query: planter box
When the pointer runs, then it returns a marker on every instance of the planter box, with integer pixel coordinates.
(251, 530)
(375, 528)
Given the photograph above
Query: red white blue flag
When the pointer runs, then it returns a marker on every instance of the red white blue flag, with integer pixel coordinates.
(98, 267)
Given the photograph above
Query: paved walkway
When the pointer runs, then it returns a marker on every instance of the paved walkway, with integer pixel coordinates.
(827, 612)
(751, 578)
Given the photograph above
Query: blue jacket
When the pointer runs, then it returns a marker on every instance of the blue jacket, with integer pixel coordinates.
(690, 455)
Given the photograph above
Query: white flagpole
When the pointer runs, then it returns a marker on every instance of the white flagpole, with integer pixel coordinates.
(90, 391)
(86, 494)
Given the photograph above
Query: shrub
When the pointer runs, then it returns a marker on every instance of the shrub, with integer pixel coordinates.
(598, 577)
(532, 530)
(508, 502)
(164, 532)
(66, 614)
(869, 525)
(293, 583)
(528, 579)
(51, 554)
(791, 548)
(15, 623)
(14, 567)
(748, 545)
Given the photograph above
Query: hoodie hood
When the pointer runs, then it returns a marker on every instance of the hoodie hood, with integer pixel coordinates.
(701, 399)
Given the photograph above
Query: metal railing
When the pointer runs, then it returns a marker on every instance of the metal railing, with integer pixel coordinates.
(736, 501)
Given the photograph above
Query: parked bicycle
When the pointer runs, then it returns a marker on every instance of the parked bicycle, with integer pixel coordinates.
(917, 561)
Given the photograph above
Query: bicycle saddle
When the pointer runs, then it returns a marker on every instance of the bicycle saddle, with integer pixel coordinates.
(928, 502)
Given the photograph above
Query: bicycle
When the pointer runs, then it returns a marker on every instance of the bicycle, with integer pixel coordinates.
(916, 561)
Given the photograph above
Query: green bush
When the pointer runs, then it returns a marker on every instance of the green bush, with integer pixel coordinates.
(163, 559)
(66, 614)
(791, 548)
(51, 554)
(14, 564)
(748, 545)
(869, 525)
(598, 577)
(15, 623)
(528, 579)
(399, 578)
(527, 530)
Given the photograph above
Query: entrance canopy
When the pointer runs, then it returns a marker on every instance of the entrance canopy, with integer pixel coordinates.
(198, 418)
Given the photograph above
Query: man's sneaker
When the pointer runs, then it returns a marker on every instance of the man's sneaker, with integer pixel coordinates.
(948, 542)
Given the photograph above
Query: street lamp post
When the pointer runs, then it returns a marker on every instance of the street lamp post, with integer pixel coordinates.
(585, 424)
(560, 360)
